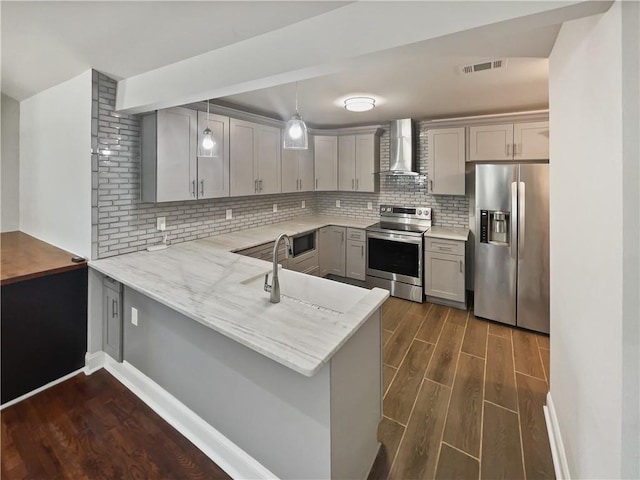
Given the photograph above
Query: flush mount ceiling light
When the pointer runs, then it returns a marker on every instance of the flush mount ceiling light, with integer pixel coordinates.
(208, 143)
(359, 104)
(295, 132)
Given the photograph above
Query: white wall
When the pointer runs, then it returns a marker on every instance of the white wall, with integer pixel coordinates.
(587, 167)
(10, 165)
(55, 165)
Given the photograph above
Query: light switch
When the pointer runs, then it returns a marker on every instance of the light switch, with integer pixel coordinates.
(134, 316)
(161, 223)
(229, 215)
(304, 204)
(369, 206)
(275, 207)
(337, 203)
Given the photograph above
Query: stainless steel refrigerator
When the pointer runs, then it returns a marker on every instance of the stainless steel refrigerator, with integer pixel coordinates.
(512, 244)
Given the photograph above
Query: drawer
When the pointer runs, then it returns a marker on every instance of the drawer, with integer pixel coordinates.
(305, 263)
(356, 234)
(444, 246)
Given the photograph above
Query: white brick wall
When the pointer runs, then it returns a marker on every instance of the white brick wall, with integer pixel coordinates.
(123, 224)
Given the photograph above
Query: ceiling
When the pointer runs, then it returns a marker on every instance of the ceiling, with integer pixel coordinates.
(46, 43)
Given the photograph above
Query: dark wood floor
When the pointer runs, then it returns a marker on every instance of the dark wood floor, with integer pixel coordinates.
(463, 397)
(92, 427)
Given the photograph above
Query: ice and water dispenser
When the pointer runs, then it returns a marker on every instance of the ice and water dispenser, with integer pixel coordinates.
(494, 227)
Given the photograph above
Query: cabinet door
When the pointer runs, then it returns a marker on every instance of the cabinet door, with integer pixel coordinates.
(290, 175)
(176, 156)
(213, 172)
(347, 162)
(491, 142)
(446, 163)
(367, 163)
(243, 143)
(531, 141)
(337, 251)
(324, 250)
(444, 276)
(112, 323)
(326, 162)
(355, 260)
(269, 159)
(305, 168)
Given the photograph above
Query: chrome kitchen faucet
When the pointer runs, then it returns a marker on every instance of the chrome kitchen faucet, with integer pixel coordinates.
(274, 288)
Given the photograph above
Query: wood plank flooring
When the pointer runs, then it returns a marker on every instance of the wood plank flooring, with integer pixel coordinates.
(92, 427)
(463, 397)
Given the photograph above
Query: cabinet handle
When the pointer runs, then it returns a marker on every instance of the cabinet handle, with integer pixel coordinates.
(362, 251)
(515, 149)
(255, 186)
(508, 150)
(260, 185)
(316, 183)
(202, 187)
(431, 186)
(353, 184)
(342, 236)
(114, 308)
(461, 266)
(193, 188)
(300, 184)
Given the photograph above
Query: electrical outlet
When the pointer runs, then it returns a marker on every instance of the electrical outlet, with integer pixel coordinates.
(134, 316)
(228, 215)
(337, 203)
(304, 204)
(275, 207)
(161, 223)
(369, 206)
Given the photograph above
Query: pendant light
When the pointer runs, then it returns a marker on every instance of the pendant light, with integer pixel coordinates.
(295, 133)
(208, 143)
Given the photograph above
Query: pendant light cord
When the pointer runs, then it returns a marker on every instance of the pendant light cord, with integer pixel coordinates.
(297, 98)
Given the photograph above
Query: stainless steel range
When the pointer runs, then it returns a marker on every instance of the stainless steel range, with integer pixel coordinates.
(394, 250)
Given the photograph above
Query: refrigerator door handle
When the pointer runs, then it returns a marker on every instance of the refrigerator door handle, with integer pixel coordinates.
(521, 218)
(514, 221)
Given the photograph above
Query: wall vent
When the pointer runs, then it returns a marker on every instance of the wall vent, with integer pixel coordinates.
(482, 66)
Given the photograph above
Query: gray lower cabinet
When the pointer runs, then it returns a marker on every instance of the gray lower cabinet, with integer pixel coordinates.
(324, 253)
(356, 254)
(445, 272)
(305, 263)
(337, 250)
(112, 318)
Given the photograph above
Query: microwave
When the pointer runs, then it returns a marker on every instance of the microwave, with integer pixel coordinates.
(304, 243)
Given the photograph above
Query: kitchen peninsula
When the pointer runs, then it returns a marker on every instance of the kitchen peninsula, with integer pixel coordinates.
(296, 385)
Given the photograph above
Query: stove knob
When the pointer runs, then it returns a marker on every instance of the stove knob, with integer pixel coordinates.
(419, 212)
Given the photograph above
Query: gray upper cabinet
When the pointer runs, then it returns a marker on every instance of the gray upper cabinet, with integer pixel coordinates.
(255, 161)
(446, 161)
(168, 148)
(358, 160)
(213, 172)
(298, 169)
(509, 142)
(326, 162)
(172, 168)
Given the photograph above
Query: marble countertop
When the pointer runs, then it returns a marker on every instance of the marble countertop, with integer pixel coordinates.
(204, 281)
(236, 241)
(448, 233)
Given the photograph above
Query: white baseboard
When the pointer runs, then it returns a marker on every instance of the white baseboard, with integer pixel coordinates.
(560, 464)
(231, 458)
(93, 362)
(40, 389)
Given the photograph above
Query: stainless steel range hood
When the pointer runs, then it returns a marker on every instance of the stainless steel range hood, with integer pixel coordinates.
(401, 148)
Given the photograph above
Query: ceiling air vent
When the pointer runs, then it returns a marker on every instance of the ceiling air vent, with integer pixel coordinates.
(479, 67)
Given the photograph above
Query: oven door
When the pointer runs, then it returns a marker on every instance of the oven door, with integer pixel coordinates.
(395, 257)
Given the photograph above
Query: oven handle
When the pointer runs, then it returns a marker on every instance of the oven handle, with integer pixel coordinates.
(395, 238)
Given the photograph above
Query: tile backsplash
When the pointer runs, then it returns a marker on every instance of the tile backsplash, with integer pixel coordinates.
(121, 223)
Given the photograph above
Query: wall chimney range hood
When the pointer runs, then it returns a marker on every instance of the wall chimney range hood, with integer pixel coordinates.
(401, 148)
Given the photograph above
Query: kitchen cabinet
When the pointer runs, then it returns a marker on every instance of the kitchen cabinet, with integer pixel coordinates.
(255, 159)
(326, 162)
(265, 252)
(172, 167)
(337, 250)
(358, 160)
(112, 318)
(446, 161)
(323, 251)
(355, 263)
(298, 169)
(213, 172)
(168, 149)
(445, 272)
(509, 142)
(305, 263)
